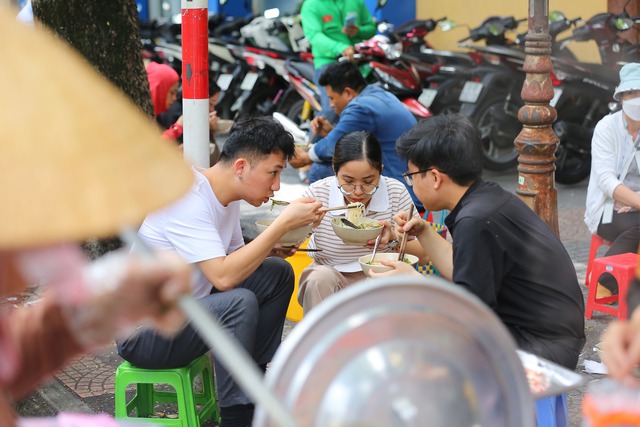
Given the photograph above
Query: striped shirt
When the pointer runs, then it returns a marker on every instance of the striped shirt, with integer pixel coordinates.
(392, 197)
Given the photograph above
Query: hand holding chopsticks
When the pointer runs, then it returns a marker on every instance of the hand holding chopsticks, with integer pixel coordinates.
(405, 236)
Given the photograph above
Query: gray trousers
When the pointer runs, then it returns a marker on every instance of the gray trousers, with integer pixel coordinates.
(253, 312)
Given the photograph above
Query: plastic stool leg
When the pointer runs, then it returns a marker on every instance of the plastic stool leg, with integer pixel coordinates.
(144, 400)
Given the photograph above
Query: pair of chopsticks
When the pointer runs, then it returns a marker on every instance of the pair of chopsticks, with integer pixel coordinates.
(300, 249)
(405, 237)
(336, 208)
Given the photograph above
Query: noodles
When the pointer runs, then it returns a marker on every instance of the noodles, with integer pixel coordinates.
(356, 213)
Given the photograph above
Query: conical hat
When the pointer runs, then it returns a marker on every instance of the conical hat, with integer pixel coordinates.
(77, 158)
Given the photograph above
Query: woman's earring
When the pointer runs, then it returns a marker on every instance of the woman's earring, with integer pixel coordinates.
(240, 177)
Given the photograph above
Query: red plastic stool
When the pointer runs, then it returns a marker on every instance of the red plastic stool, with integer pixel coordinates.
(622, 267)
(596, 242)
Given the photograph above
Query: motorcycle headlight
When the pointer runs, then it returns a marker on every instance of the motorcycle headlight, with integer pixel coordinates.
(391, 50)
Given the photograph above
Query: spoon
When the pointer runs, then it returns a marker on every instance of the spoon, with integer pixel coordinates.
(375, 248)
(348, 223)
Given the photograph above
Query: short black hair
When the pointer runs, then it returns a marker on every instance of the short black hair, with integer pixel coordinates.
(256, 138)
(450, 143)
(358, 145)
(341, 75)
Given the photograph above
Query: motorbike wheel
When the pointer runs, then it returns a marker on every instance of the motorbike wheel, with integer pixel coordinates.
(498, 126)
(295, 114)
(571, 166)
(260, 103)
(573, 159)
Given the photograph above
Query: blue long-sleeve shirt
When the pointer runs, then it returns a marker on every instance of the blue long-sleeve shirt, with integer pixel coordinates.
(377, 111)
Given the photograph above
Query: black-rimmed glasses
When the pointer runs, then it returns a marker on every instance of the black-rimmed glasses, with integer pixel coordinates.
(348, 189)
(408, 177)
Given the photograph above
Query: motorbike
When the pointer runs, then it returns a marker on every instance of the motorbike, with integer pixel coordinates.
(383, 54)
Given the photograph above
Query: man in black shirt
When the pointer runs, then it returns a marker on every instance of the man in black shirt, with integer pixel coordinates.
(502, 251)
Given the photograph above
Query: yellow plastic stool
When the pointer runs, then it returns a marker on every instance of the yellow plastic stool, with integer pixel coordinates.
(299, 262)
(181, 379)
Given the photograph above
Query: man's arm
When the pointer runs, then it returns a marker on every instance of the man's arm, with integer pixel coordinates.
(477, 260)
(366, 25)
(312, 28)
(228, 271)
(353, 118)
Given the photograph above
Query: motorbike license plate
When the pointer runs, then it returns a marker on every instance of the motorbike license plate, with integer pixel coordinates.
(427, 97)
(249, 81)
(557, 93)
(224, 80)
(470, 92)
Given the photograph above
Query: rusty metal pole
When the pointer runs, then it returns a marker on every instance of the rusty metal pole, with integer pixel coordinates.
(537, 142)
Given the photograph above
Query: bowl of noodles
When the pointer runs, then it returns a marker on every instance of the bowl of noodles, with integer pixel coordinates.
(290, 238)
(375, 265)
(368, 229)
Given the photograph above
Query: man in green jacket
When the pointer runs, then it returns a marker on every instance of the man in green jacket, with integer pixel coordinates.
(333, 27)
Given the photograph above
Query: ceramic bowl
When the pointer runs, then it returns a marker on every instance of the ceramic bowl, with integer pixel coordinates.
(356, 236)
(290, 238)
(223, 126)
(389, 256)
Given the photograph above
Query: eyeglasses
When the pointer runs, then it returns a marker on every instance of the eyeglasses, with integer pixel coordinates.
(348, 189)
(408, 177)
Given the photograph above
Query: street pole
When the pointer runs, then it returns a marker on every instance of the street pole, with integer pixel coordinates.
(195, 82)
(537, 142)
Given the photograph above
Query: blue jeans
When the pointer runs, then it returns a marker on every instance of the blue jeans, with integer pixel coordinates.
(319, 171)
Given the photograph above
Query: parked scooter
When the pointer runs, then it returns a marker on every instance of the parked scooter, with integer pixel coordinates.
(383, 53)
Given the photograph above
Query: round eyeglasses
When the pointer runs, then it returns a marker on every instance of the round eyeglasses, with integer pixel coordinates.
(348, 189)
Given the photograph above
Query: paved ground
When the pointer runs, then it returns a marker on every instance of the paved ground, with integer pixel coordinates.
(86, 385)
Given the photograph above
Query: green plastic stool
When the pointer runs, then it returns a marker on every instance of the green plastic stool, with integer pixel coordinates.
(181, 379)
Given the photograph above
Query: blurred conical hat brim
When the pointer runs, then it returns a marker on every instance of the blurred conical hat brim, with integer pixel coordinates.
(77, 158)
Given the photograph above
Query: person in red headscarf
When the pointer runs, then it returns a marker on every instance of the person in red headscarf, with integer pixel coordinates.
(163, 84)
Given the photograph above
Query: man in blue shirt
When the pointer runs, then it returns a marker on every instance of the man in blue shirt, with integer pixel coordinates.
(361, 107)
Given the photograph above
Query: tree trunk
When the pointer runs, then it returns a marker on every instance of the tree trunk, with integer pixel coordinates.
(106, 33)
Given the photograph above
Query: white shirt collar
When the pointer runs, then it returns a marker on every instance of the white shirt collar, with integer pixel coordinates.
(379, 202)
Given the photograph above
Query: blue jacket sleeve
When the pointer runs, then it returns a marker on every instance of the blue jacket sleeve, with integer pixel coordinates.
(353, 118)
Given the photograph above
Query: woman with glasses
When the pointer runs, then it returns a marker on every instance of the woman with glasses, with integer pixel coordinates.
(357, 164)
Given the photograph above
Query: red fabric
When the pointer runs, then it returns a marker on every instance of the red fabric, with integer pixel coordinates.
(174, 132)
(161, 78)
(327, 18)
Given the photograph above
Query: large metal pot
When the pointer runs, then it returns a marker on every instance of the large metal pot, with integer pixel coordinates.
(401, 352)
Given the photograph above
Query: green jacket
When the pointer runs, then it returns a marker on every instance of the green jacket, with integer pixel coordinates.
(322, 23)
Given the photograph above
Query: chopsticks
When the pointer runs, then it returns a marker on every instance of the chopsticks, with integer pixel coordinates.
(338, 208)
(405, 237)
(301, 249)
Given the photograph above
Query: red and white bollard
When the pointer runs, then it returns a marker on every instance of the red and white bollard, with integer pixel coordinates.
(195, 81)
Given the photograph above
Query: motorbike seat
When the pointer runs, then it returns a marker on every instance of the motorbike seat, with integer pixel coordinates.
(433, 56)
(301, 68)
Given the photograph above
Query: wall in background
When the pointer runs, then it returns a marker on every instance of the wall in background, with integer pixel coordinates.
(472, 13)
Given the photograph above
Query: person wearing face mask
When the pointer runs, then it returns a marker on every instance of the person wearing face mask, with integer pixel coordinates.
(613, 196)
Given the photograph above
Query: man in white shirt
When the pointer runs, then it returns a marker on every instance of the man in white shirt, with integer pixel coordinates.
(246, 287)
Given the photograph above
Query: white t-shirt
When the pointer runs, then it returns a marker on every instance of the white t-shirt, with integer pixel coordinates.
(197, 227)
(390, 198)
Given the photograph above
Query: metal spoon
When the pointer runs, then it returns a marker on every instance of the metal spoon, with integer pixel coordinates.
(375, 248)
(348, 223)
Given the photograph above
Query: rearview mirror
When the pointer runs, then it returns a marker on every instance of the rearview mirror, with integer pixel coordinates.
(381, 4)
(447, 25)
(623, 24)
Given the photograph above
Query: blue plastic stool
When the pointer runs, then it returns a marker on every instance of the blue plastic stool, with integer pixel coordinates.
(552, 411)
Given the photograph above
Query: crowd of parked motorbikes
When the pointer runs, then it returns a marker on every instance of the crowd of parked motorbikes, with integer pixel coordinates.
(263, 65)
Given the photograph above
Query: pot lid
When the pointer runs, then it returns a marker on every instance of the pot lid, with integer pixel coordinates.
(401, 351)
